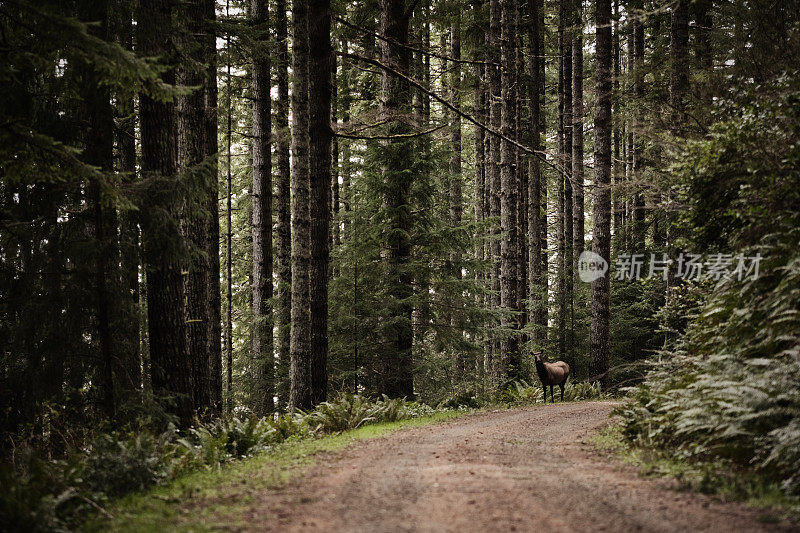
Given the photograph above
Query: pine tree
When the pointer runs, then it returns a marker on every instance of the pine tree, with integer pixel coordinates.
(263, 355)
(321, 135)
(396, 369)
(169, 355)
(637, 146)
(509, 298)
(283, 230)
(577, 137)
(601, 245)
(300, 393)
(455, 192)
(679, 63)
(537, 184)
(493, 176)
(98, 152)
(125, 324)
(211, 143)
(195, 160)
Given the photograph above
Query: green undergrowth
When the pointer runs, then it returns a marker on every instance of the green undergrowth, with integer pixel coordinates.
(44, 493)
(221, 497)
(521, 392)
(723, 479)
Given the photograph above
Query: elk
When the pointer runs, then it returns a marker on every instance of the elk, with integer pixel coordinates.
(551, 374)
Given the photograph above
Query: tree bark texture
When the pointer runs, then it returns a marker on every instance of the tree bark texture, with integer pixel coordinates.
(577, 139)
(169, 354)
(321, 135)
(396, 378)
(599, 333)
(300, 393)
(263, 356)
(283, 205)
(509, 298)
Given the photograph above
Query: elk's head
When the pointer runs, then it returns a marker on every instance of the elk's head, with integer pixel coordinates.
(537, 356)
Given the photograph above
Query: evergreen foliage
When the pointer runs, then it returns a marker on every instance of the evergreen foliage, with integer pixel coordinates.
(475, 147)
(727, 389)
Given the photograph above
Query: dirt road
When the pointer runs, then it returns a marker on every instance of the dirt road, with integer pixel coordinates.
(517, 470)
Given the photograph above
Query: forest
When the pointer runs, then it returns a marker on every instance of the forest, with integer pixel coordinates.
(246, 220)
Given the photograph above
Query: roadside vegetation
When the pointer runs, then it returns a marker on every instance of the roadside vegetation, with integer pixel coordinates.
(723, 479)
(41, 494)
(219, 496)
(118, 471)
(720, 405)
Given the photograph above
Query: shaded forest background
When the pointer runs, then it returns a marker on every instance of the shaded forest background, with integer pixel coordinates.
(252, 207)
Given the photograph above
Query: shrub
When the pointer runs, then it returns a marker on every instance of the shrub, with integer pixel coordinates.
(40, 495)
(223, 440)
(350, 411)
(731, 390)
(116, 464)
(522, 392)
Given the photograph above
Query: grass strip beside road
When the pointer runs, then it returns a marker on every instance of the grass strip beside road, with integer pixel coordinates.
(220, 498)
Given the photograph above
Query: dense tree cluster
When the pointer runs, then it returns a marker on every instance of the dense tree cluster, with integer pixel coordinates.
(261, 204)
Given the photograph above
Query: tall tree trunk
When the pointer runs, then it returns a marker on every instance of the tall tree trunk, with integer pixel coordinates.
(456, 199)
(478, 111)
(300, 394)
(128, 371)
(577, 137)
(169, 355)
(521, 168)
(99, 152)
(262, 351)
(509, 351)
(210, 125)
(618, 165)
(192, 133)
(565, 176)
(456, 193)
(336, 201)
(344, 100)
(599, 335)
(545, 311)
(396, 378)
(489, 166)
(569, 164)
(321, 135)
(560, 248)
(479, 104)
(679, 64)
(284, 232)
(630, 124)
(704, 52)
(229, 226)
(495, 98)
(536, 296)
(638, 238)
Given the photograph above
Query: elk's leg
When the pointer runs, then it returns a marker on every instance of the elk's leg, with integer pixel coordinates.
(544, 388)
(561, 386)
(552, 396)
